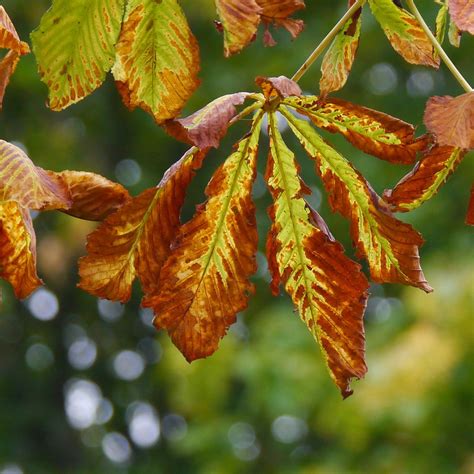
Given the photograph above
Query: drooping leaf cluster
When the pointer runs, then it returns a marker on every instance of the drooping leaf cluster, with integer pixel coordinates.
(195, 275)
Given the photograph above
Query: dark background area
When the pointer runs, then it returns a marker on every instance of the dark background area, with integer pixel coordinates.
(88, 386)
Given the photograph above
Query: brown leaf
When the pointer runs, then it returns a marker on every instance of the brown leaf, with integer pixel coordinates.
(451, 119)
(470, 209)
(93, 196)
(328, 289)
(373, 132)
(9, 38)
(30, 186)
(205, 281)
(18, 249)
(281, 87)
(462, 13)
(135, 240)
(206, 127)
(425, 180)
(7, 68)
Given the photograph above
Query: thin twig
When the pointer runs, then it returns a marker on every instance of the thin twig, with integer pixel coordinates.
(327, 40)
(442, 54)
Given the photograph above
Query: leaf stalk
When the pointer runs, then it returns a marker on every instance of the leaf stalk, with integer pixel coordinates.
(327, 40)
(439, 49)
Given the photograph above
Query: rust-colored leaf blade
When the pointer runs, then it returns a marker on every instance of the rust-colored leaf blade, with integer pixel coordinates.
(206, 127)
(240, 20)
(7, 68)
(404, 33)
(18, 249)
(451, 119)
(329, 289)
(389, 245)
(339, 58)
(282, 87)
(462, 13)
(93, 197)
(29, 185)
(425, 180)
(373, 132)
(135, 240)
(470, 209)
(205, 281)
(157, 58)
(9, 38)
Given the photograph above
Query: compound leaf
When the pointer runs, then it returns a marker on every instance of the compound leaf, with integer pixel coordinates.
(451, 119)
(404, 33)
(389, 245)
(74, 47)
(18, 249)
(204, 283)
(157, 60)
(328, 289)
(135, 240)
(425, 180)
(373, 132)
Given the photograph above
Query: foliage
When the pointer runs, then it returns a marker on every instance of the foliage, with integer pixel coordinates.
(195, 276)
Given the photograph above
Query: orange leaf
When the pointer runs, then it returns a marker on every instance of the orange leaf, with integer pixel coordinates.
(373, 132)
(206, 127)
(7, 68)
(329, 289)
(135, 240)
(31, 186)
(205, 281)
(18, 249)
(9, 37)
(281, 87)
(462, 13)
(424, 181)
(93, 196)
(470, 210)
(451, 119)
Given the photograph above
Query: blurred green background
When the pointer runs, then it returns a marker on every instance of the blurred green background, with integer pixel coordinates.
(88, 386)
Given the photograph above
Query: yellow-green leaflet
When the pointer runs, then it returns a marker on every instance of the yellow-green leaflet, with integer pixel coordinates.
(74, 47)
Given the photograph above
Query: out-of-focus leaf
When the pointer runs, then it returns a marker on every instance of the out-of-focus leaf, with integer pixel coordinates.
(282, 87)
(206, 127)
(205, 281)
(74, 47)
(454, 34)
(339, 58)
(404, 33)
(441, 22)
(425, 180)
(93, 197)
(389, 245)
(470, 209)
(462, 13)
(30, 186)
(451, 119)
(241, 18)
(157, 60)
(135, 240)
(329, 289)
(373, 132)
(18, 249)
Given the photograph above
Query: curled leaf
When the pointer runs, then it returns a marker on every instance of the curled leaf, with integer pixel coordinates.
(339, 58)
(205, 281)
(206, 127)
(157, 60)
(451, 119)
(18, 249)
(404, 33)
(93, 197)
(74, 47)
(373, 132)
(389, 245)
(9, 38)
(462, 13)
(425, 180)
(135, 240)
(329, 289)
(273, 87)
(30, 186)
